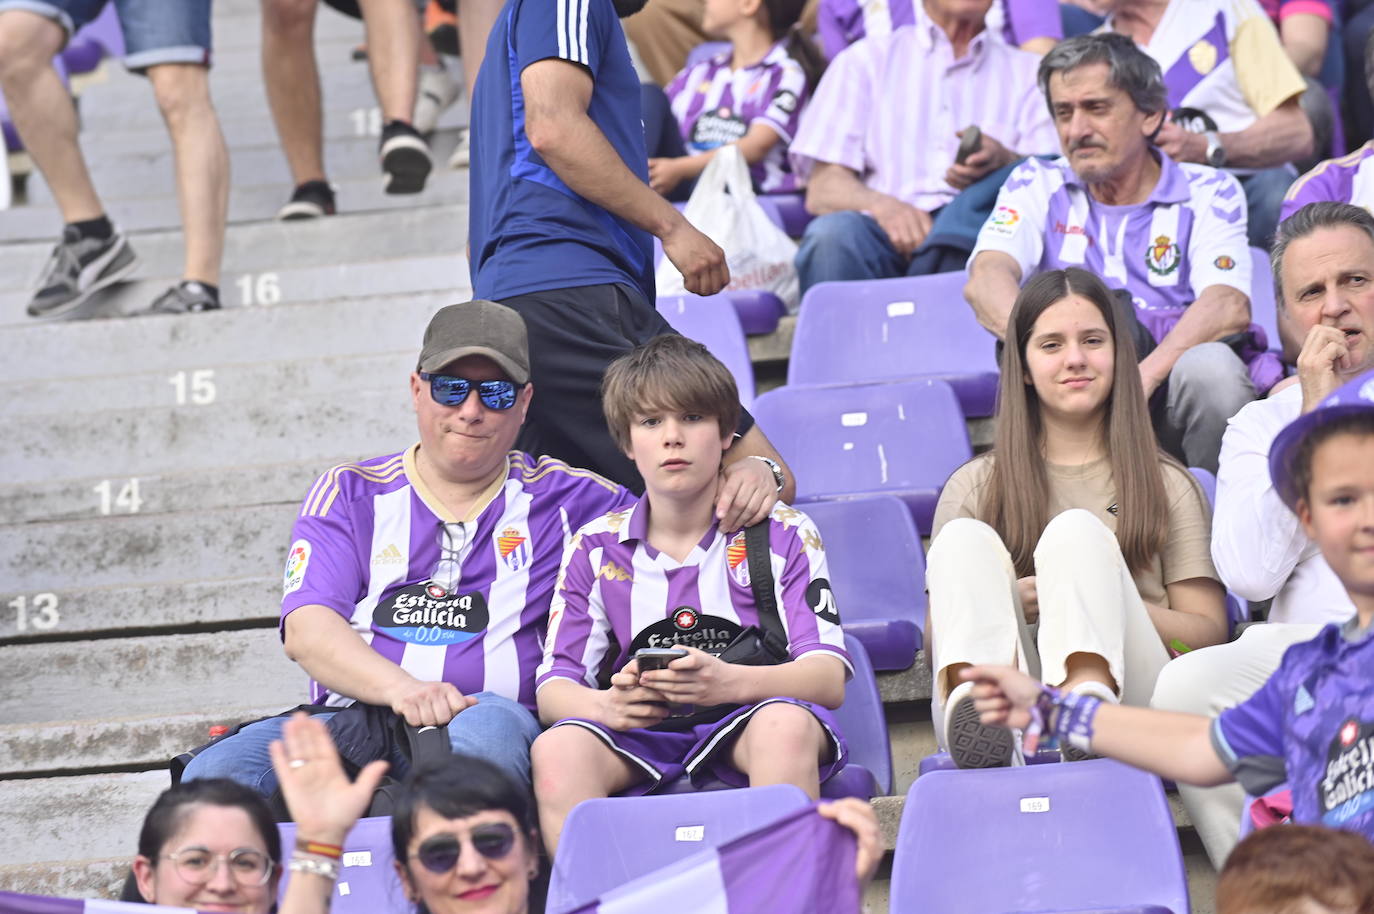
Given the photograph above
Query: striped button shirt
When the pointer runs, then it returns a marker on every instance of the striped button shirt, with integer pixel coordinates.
(915, 95)
(843, 22)
(460, 600)
(618, 594)
(1348, 179)
(715, 105)
(1189, 234)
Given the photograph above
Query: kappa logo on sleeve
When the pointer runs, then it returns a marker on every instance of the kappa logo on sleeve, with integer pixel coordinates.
(821, 599)
(297, 560)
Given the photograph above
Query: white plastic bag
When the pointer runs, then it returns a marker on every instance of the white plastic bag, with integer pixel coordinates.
(758, 252)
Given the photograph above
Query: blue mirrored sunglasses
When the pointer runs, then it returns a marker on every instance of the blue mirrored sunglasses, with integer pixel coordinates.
(451, 391)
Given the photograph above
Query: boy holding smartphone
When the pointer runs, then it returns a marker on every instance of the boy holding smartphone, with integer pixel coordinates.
(662, 574)
(1312, 723)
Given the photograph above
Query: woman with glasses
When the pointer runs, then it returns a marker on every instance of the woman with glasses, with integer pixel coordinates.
(213, 844)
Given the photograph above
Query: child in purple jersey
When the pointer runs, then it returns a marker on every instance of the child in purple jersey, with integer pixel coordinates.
(663, 574)
(751, 95)
(1312, 723)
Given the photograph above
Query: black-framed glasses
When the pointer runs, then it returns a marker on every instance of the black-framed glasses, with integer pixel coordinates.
(450, 391)
(246, 866)
(440, 853)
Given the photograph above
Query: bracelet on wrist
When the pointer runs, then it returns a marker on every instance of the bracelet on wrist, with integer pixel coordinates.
(319, 866)
(319, 848)
(1063, 719)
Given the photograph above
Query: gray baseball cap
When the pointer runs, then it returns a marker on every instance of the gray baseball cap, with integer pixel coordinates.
(477, 328)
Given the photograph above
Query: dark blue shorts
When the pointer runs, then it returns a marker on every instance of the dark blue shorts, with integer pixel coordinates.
(155, 31)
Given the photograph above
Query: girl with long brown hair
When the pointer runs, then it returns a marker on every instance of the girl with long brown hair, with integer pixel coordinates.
(1075, 549)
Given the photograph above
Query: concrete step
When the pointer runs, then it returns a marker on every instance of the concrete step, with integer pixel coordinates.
(76, 818)
(128, 443)
(147, 677)
(270, 246)
(232, 336)
(446, 273)
(75, 879)
(249, 203)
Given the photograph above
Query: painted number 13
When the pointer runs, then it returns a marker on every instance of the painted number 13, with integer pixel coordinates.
(38, 612)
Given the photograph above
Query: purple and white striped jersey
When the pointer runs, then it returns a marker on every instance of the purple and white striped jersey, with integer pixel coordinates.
(843, 22)
(901, 138)
(618, 594)
(715, 105)
(1189, 234)
(460, 600)
(1348, 179)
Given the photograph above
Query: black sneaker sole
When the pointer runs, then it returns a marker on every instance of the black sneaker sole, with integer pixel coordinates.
(122, 261)
(406, 164)
(973, 744)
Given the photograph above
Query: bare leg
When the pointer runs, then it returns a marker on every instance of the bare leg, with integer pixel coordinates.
(293, 84)
(782, 744)
(571, 765)
(43, 112)
(393, 52)
(202, 161)
(1085, 667)
(475, 20)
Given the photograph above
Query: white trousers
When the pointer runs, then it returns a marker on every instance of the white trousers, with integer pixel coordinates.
(1207, 681)
(1088, 604)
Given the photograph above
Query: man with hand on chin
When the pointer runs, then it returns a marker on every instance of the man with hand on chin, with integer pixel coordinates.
(420, 581)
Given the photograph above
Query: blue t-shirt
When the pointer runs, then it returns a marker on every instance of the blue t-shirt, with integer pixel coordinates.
(1311, 724)
(529, 231)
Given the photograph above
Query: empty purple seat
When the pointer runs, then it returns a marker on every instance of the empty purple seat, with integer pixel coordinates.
(758, 310)
(1263, 308)
(606, 843)
(1237, 610)
(878, 572)
(869, 771)
(367, 880)
(901, 439)
(886, 329)
(705, 50)
(105, 31)
(712, 321)
(1083, 836)
(788, 212)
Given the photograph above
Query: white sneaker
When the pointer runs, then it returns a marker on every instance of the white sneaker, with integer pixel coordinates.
(972, 743)
(461, 157)
(438, 92)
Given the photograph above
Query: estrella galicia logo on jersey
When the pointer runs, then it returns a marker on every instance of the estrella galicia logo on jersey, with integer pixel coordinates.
(785, 101)
(430, 614)
(717, 128)
(1164, 256)
(1347, 789)
(821, 599)
(514, 548)
(687, 628)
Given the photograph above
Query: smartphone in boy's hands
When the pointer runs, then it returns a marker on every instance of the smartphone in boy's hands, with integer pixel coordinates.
(657, 658)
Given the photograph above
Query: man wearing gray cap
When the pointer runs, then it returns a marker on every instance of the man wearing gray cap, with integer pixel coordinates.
(420, 581)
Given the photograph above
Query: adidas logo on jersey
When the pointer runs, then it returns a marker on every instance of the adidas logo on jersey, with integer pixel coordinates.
(388, 556)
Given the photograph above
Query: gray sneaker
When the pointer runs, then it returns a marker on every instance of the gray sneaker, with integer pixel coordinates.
(184, 298)
(78, 268)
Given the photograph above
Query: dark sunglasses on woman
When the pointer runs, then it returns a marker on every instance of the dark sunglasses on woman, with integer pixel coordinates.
(440, 853)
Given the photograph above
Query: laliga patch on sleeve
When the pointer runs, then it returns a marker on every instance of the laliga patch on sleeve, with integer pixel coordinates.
(821, 599)
(1004, 221)
(297, 560)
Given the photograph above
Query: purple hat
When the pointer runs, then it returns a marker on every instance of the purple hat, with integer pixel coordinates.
(1352, 397)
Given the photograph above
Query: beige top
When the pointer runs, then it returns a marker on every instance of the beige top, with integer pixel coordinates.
(1187, 548)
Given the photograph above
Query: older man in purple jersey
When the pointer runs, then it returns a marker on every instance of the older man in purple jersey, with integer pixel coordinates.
(1171, 234)
(420, 581)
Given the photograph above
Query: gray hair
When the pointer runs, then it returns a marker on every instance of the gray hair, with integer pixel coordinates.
(1313, 216)
(1132, 70)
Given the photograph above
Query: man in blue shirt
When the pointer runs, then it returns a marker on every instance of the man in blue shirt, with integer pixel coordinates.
(561, 218)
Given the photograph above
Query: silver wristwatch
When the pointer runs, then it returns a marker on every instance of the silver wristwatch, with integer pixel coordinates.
(1216, 153)
(779, 476)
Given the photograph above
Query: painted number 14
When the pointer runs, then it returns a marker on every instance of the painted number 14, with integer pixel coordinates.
(126, 499)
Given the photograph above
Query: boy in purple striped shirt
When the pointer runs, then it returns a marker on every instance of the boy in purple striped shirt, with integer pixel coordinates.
(662, 574)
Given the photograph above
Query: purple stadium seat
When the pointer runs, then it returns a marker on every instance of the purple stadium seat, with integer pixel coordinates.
(712, 321)
(1237, 610)
(1263, 309)
(788, 212)
(869, 771)
(105, 31)
(886, 329)
(367, 881)
(606, 843)
(12, 141)
(901, 439)
(878, 572)
(704, 50)
(758, 311)
(82, 55)
(1083, 836)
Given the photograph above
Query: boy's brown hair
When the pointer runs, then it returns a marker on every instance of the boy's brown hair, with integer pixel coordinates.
(1285, 868)
(1361, 424)
(668, 373)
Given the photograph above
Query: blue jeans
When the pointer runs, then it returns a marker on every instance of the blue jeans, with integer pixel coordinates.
(1264, 192)
(848, 245)
(496, 729)
(155, 31)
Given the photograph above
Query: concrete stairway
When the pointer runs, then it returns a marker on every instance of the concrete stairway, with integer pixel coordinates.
(153, 466)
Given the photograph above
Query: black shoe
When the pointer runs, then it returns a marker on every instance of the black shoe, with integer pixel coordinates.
(405, 159)
(185, 297)
(310, 200)
(78, 268)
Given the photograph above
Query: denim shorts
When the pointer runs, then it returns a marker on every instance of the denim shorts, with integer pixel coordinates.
(155, 31)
